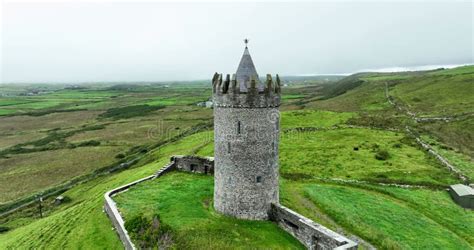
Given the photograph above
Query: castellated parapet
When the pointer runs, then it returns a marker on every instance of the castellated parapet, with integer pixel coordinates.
(228, 93)
(246, 131)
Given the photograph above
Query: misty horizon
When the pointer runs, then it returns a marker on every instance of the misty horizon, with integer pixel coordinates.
(381, 70)
(159, 42)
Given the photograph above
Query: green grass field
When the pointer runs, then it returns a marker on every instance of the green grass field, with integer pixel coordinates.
(391, 223)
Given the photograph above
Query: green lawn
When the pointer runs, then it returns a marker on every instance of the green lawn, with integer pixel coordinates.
(390, 223)
(332, 154)
(313, 118)
(184, 202)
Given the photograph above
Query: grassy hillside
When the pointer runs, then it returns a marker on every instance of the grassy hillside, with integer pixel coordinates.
(438, 93)
(338, 156)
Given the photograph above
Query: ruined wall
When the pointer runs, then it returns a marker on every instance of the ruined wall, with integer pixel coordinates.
(312, 235)
(194, 164)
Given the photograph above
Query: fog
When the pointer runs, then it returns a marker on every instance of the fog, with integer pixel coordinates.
(94, 42)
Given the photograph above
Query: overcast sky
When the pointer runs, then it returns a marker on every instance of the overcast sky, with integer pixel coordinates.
(66, 42)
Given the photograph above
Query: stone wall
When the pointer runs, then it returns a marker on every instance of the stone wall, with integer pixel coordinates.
(310, 234)
(194, 164)
(112, 212)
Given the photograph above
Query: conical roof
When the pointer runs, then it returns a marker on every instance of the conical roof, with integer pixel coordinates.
(245, 70)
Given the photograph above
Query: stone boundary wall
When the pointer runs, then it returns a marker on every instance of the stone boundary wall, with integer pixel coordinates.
(311, 234)
(424, 145)
(443, 161)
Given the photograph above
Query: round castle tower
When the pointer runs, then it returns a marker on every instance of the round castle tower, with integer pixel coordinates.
(246, 136)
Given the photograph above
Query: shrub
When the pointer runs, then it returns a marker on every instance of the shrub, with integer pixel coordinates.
(149, 233)
(382, 155)
(136, 224)
(91, 143)
(3, 229)
(120, 156)
(397, 145)
(416, 99)
(382, 176)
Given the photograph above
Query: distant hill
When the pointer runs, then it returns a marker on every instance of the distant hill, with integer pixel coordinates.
(432, 96)
(430, 93)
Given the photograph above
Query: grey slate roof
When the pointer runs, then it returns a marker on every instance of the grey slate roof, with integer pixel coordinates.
(245, 70)
(462, 190)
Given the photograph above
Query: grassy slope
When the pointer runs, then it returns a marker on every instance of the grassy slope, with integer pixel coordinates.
(331, 154)
(438, 94)
(184, 202)
(367, 97)
(313, 118)
(37, 171)
(427, 93)
(462, 161)
(81, 223)
(389, 222)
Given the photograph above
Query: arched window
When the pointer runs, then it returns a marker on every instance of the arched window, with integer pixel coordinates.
(238, 127)
(228, 147)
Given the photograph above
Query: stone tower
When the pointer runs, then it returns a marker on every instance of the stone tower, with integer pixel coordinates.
(246, 136)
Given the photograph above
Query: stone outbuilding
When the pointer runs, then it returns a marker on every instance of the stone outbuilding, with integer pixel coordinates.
(462, 195)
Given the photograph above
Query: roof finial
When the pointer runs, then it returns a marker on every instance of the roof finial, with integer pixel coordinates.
(246, 41)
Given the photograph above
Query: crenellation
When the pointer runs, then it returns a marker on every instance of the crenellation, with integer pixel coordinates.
(277, 85)
(226, 93)
(269, 84)
(225, 87)
(234, 85)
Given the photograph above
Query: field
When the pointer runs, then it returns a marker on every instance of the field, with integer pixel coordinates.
(60, 138)
(346, 161)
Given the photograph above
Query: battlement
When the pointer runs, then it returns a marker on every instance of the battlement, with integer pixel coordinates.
(228, 93)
